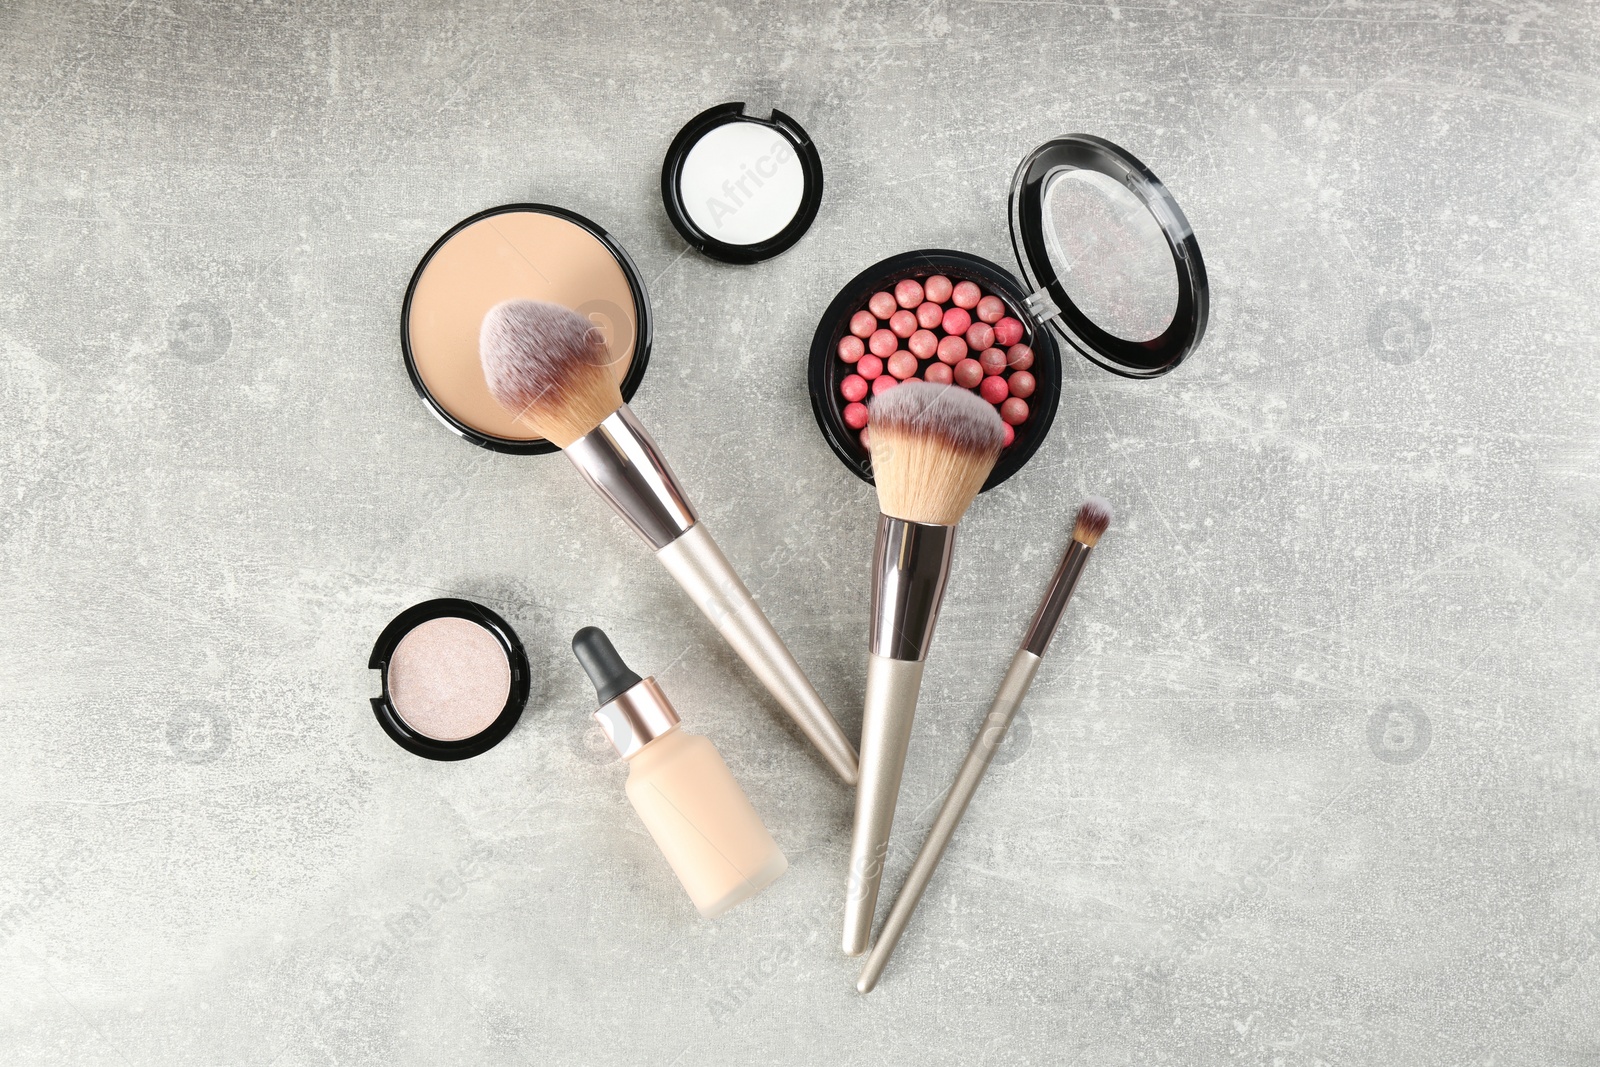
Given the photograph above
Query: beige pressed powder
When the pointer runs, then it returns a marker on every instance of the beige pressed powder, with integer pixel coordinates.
(509, 253)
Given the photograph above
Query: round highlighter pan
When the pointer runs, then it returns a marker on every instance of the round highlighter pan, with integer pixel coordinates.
(529, 251)
(455, 679)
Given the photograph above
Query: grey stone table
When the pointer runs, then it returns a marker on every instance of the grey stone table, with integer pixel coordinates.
(1312, 777)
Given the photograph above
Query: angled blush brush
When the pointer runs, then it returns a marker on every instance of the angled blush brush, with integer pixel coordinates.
(932, 448)
(550, 367)
(1092, 519)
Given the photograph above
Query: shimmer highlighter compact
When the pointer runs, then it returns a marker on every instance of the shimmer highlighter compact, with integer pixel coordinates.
(455, 679)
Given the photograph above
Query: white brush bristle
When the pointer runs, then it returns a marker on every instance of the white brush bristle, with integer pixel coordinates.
(550, 367)
(932, 448)
(1094, 515)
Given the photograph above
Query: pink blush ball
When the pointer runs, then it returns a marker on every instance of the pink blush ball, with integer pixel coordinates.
(939, 373)
(870, 367)
(1005, 441)
(1014, 412)
(882, 343)
(994, 390)
(968, 373)
(908, 294)
(1022, 384)
(980, 335)
(956, 322)
(862, 323)
(1019, 357)
(883, 383)
(902, 365)
(994, 361)
(851, 348)
(929, 315)
(1007, 332)
(952, 350)
(991, 309)
(855, 416)
(966, 295)
(937, 288)
(902, 324)
(853, 388)
(881, 305)
(923, 344)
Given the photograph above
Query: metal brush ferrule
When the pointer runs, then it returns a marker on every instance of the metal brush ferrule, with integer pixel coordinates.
(1054, 604)
(909, 567)
(626, 467)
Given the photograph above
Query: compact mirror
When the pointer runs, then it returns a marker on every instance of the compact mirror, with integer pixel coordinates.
(1111, 260)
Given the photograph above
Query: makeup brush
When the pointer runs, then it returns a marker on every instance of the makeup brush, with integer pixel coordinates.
(550, 367)
(932, 448)
(1093, 518)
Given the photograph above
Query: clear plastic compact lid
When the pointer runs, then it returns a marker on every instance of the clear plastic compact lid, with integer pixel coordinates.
(1111, 262)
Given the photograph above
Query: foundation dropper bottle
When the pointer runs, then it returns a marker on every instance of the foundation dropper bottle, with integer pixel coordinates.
(679, 785)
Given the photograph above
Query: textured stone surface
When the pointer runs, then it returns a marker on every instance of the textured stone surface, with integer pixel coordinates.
(1312, 775)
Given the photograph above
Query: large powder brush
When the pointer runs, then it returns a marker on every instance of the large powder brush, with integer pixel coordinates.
(550, 367)
(1087, 528)
(933, 447)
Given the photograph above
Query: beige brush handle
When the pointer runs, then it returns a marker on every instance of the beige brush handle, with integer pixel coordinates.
(1019, 676)
(711, 582)
(890, 707)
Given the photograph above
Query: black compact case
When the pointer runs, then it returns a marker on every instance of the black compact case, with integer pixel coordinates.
(643, 324)
(827, 370)
(395, 725)
(1070, 263)
(672, 194)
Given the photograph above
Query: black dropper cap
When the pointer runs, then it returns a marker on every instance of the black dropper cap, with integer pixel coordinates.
(611, 676)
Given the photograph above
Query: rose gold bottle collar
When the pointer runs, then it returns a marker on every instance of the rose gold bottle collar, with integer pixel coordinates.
(637, 717)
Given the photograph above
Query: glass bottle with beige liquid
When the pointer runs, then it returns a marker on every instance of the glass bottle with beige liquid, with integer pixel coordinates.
(680, 786)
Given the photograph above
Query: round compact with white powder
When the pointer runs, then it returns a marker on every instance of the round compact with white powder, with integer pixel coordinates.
(741, 189)
(455, 679)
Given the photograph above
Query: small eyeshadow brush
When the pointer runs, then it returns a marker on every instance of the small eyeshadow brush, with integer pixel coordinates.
(549, 366)
(1092, 519)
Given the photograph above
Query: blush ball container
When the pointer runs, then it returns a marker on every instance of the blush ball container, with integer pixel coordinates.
(1109, 268)
(826, 372)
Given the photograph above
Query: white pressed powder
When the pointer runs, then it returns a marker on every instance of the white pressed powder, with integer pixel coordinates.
(742, 183)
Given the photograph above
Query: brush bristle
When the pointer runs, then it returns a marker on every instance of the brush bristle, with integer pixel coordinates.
(548, 366)
(1093, 517)
(932, 447)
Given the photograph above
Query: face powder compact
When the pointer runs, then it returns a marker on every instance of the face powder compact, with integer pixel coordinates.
(741, 189)
(531, 251)
(455, 679)
(1110, 268)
